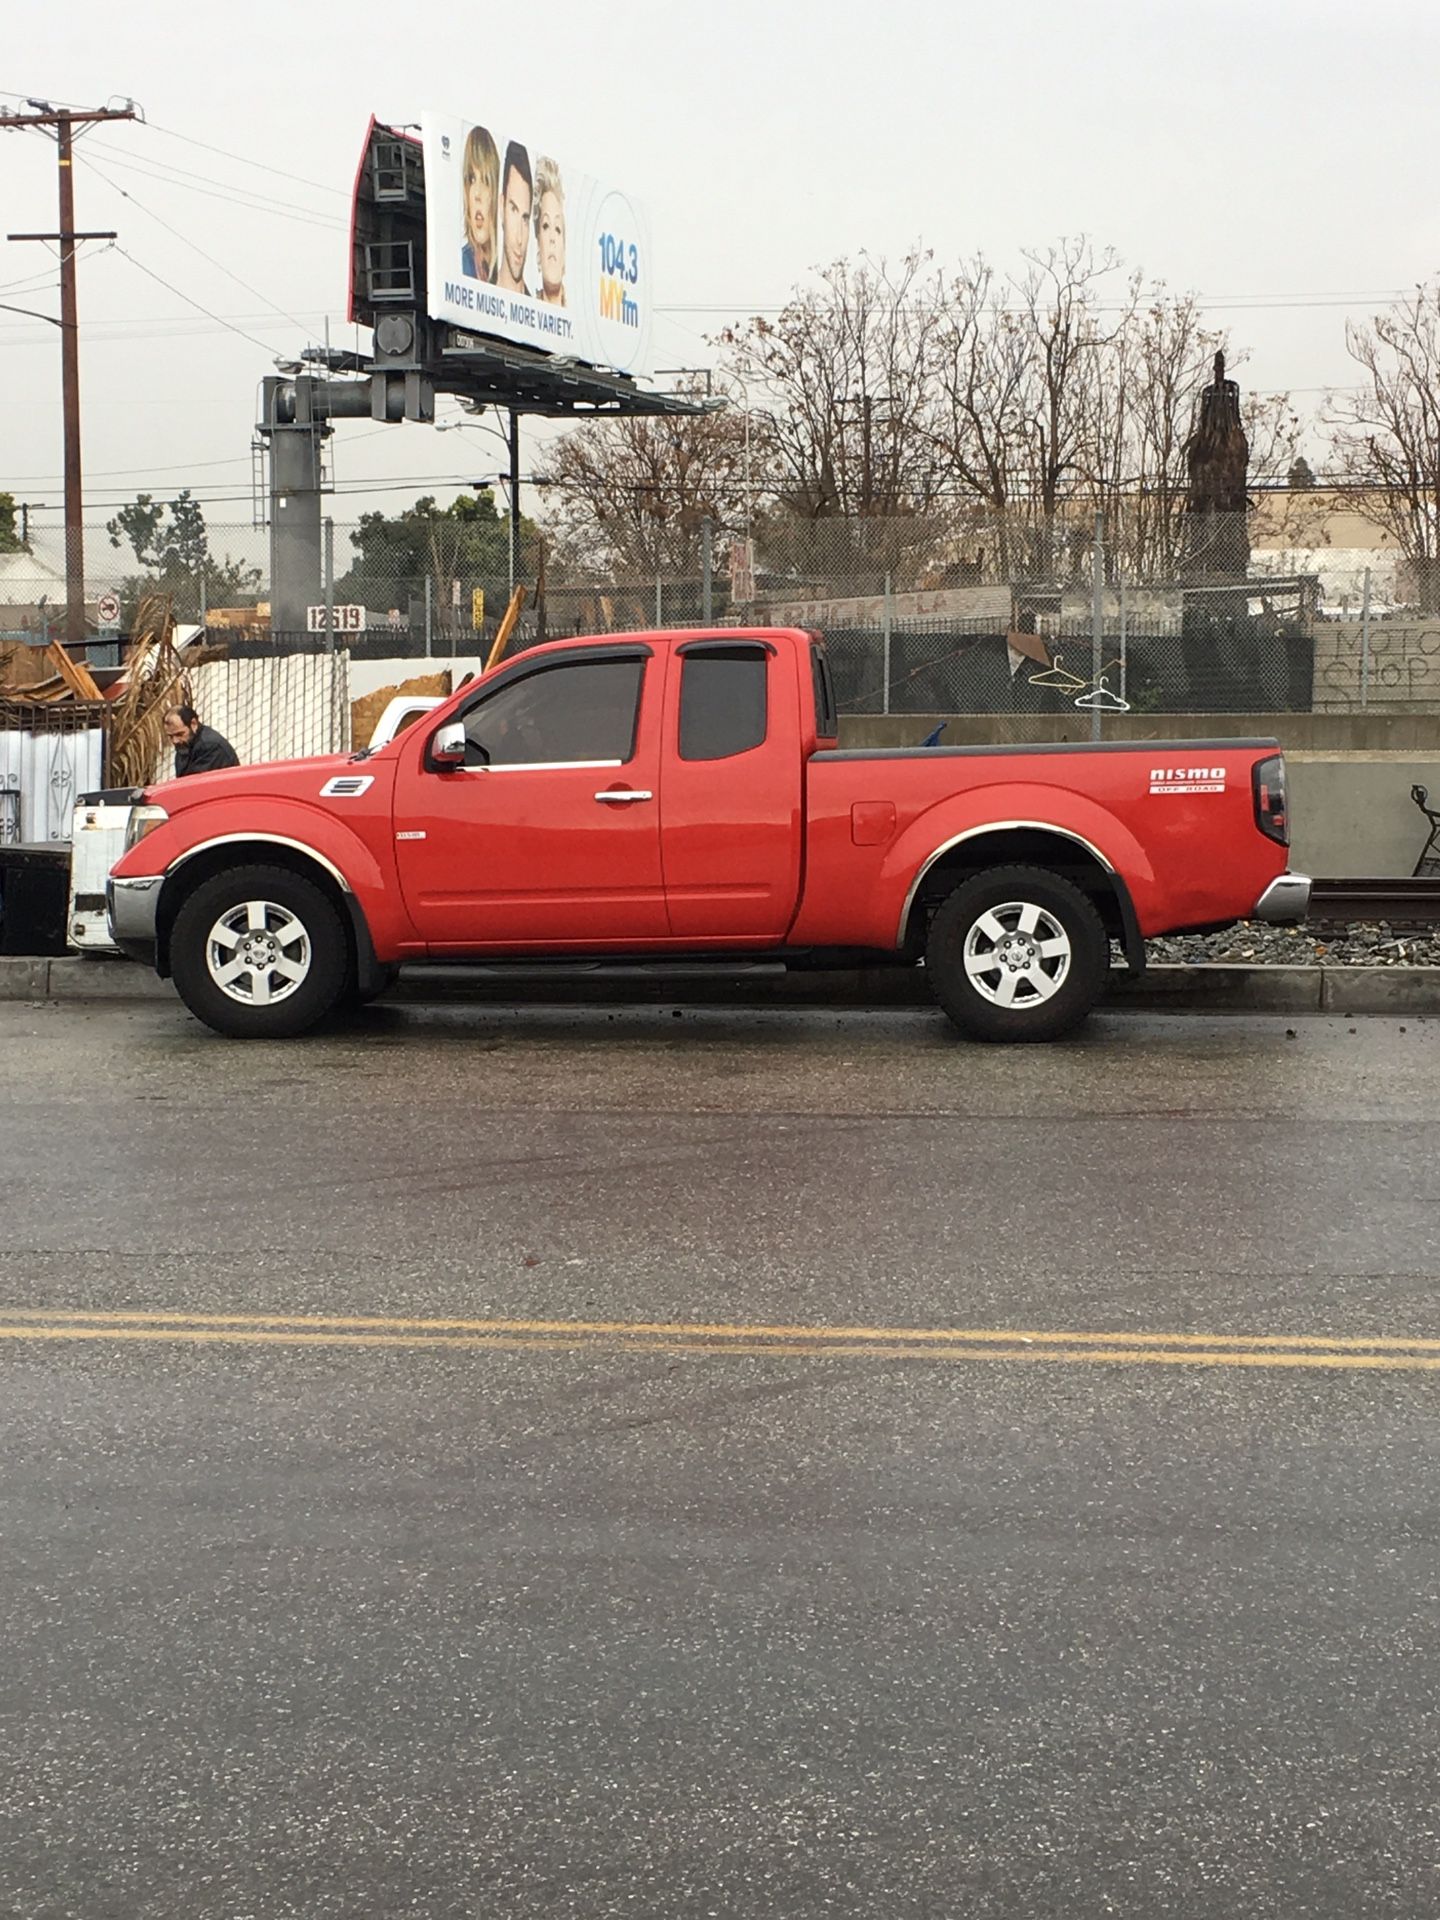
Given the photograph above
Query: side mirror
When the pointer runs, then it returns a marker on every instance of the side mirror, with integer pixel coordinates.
(447, 747)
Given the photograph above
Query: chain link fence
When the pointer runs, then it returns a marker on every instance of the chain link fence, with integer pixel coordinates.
(945, 612)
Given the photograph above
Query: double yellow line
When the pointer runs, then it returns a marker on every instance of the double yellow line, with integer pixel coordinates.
(1381, 1353)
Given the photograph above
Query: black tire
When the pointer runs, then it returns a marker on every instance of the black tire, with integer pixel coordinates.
(1052, 992)
(319, 948)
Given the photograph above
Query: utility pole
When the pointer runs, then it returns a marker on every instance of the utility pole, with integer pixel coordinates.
(64, 120)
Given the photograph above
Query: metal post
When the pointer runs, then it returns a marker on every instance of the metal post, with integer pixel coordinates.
(329, 585)
(659, 601)
(706, 568)
(888, 624)
(429, 598)
(749, 530)
(1365, 642)
(514, 500)
(1097, 620)
(1124, 662)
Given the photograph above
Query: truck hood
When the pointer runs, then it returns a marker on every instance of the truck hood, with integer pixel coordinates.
(294, 779)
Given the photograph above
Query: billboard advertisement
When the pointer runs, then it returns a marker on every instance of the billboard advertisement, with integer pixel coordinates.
(524, 246)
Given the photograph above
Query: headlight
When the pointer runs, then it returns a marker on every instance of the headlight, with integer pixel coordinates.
(143, 820)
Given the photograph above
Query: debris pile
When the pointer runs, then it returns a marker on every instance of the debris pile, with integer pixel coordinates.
(155, 680)
(45, 688)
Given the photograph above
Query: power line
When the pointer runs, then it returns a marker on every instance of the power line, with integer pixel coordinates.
(32, 283)
(122, 473)
(185, 240)
(237, 198)
(242, 496)
(169, 288)
(174, 466)
(1219, 303)
(169, 326)
(183, 172)
(245, 160)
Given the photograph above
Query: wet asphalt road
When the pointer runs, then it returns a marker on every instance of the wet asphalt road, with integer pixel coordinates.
(315, 1620)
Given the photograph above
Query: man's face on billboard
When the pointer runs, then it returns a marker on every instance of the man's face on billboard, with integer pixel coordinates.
(518, 199)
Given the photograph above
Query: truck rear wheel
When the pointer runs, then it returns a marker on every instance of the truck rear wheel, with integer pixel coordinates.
(259, 953)
(1017, 953)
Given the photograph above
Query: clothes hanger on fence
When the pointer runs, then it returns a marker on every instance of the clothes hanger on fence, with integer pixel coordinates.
(1102, 698)
(1057, 675)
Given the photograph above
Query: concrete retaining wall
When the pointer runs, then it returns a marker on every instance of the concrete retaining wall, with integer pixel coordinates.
(1351, 813)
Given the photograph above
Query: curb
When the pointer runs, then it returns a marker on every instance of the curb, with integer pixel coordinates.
(1218, 988)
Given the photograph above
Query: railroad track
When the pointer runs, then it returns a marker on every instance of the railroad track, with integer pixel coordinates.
(1404, 905)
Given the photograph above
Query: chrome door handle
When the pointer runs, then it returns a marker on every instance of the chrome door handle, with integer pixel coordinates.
(623, 796)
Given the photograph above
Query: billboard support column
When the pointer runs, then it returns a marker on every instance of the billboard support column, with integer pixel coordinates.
(514, 500)
(294, 436)
(329, 584)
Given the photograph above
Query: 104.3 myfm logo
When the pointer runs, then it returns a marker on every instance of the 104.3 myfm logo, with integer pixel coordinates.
(619, 280)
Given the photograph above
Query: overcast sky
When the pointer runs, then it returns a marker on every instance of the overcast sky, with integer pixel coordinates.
(1267, 154)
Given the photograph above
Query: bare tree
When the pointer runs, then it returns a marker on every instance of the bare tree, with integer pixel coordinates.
(1027, 414)
(976, 418)
(1059, 297)
(927, 410)
(627, 498)
(1385, 434)
(843, 374)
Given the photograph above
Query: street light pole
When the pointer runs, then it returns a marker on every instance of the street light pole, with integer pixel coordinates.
(514, 500)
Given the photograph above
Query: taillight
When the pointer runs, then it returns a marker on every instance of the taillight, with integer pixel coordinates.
(1267, 782)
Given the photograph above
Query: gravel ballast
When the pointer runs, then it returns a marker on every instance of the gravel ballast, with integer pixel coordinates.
(1254, 944)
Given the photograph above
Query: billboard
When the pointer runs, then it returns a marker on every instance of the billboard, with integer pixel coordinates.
(523, 246)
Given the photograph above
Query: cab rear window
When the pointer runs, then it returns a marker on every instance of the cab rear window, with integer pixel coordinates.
(723, 703)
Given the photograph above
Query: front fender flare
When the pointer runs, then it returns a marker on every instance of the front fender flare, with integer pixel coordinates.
(269, 839)
(370, 895)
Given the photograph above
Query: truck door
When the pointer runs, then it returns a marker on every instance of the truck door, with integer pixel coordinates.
(731, 799)
(549, 836)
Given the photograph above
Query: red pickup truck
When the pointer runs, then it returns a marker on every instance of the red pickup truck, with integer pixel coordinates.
(657, 796)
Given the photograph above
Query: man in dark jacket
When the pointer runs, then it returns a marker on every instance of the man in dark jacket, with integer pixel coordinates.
(198, 749)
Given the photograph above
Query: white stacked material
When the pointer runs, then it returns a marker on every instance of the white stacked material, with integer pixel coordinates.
(49, 771)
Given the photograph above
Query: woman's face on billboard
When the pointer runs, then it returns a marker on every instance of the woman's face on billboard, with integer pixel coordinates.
(552, 242)
(480, 217)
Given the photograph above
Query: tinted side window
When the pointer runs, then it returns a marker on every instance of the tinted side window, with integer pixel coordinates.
(584, 711)
(722, 702)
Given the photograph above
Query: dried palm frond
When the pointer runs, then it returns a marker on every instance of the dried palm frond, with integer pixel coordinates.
(155, 682)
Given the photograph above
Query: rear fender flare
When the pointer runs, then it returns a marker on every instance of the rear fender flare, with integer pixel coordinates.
(1070, 818)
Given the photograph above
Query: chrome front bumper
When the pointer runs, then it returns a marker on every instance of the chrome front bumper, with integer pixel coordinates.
(1286, 899)
(131, 907)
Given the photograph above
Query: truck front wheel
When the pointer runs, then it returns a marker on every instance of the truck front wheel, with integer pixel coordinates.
(1017, 953)
(259, 953)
